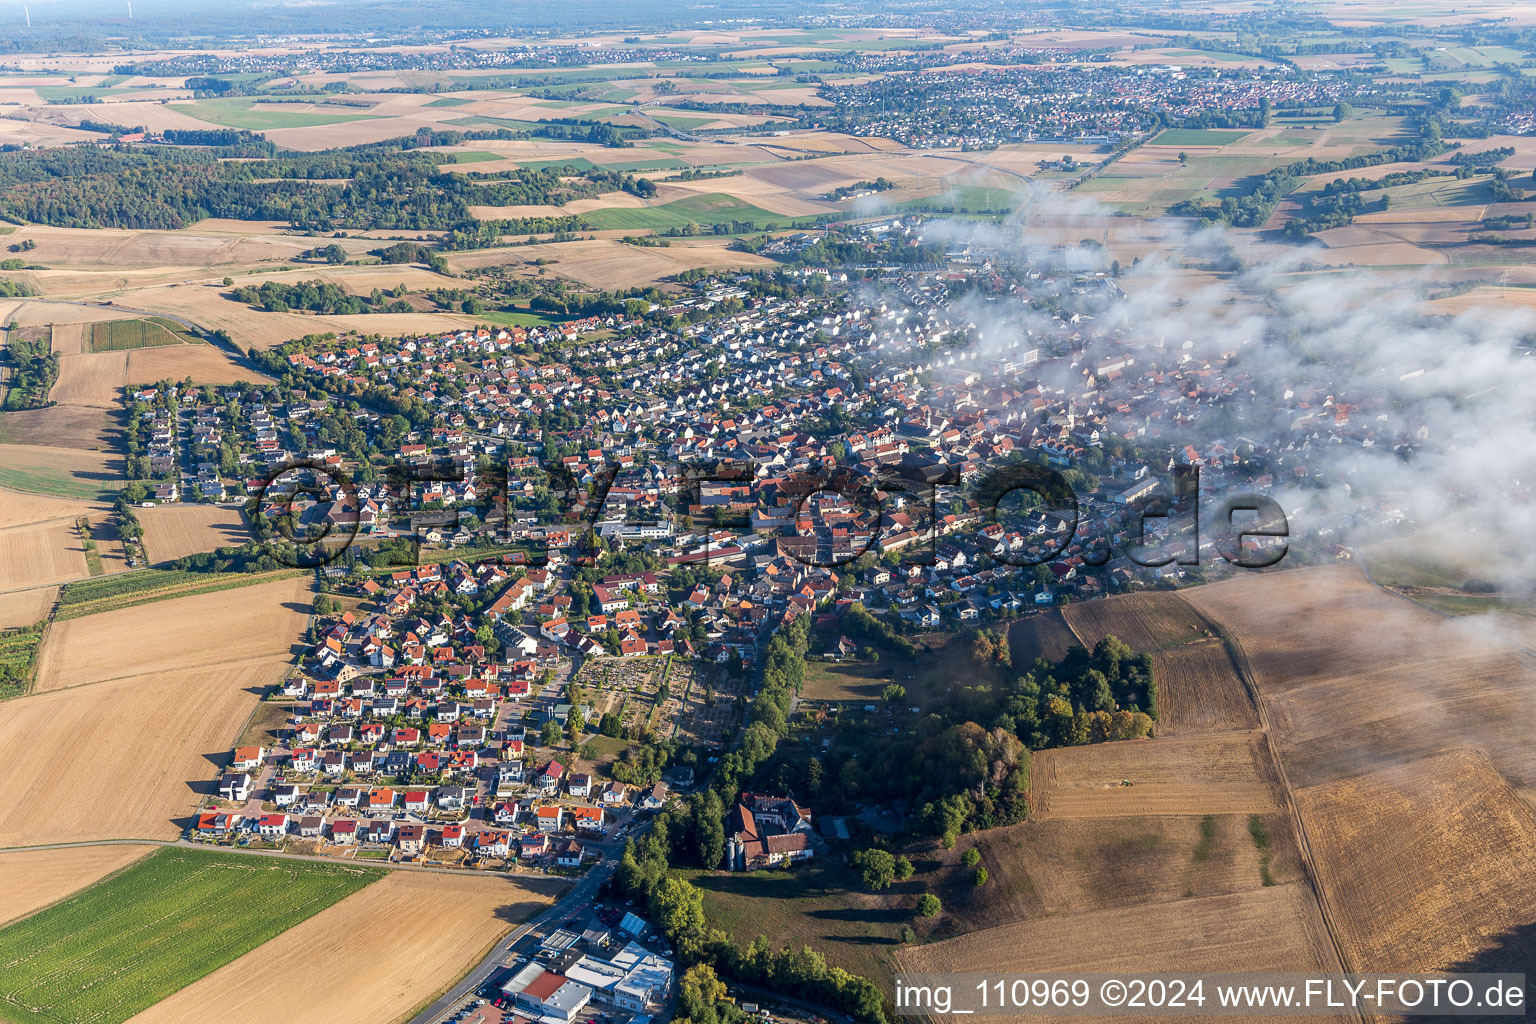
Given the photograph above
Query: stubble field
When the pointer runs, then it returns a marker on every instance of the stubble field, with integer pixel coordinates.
(609, 263)
(96, 379)
(21, 509)
(225, 627)
(1226, 774)
(1354, 678)
(1432, 865)
(172, 531)
(41, 554)
(24, 607)
(1265, 929)
(123, 759)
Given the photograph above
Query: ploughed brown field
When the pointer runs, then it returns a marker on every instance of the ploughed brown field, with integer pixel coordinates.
(1045, 635)
(1146, 621)
(1041, 868)
(1199, 690)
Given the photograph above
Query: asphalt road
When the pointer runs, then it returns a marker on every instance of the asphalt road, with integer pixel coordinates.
(572, 903)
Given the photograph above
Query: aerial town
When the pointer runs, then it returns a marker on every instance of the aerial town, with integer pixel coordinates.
(717, 514)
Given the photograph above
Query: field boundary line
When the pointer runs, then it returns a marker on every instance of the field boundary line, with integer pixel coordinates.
(1303, 842)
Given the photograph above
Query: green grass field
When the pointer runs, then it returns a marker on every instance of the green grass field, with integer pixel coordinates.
(967, 199)
(709, 208)
(660, 163)
(77, 92)
(117, 335)
(1196, 137)
(478, 156)
(1221, 55)
(844, 680)
(513, 318)
(58, 482)
(681, 122)
(448, 101)
(245, 113)
(814, 904)
(126, 943)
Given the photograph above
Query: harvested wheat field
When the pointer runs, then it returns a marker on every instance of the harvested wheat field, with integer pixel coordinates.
(119, 250)
(205, 364)
(1353, 677)
(1425, 865)
(206, 307)
(1199, 690)
(30, 880)
(610, 263)
(1040, 636)
(91, 378)
(1147, 621)
(1276, 928)
(375, 956)
(25, 607)
(41, 312)
(1228, 774)
(159, 738)
(97, 379)
(68, 339)
(40, 554)
(205, 630)
(171, 531)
